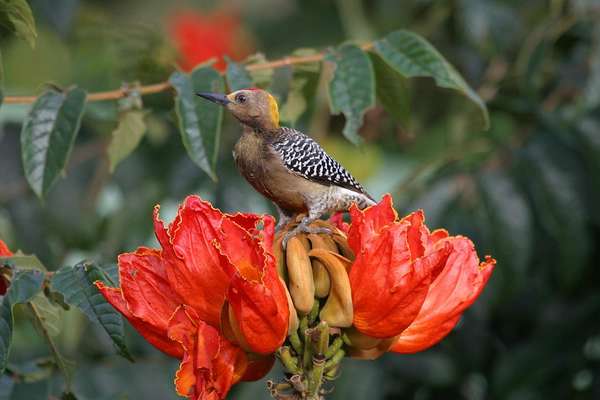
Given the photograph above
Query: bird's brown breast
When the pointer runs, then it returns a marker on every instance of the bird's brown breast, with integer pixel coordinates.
(264, 170)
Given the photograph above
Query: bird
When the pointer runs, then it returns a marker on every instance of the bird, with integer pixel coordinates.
(287, 166)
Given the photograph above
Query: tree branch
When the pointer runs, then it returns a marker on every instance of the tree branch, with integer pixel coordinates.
(164, 86)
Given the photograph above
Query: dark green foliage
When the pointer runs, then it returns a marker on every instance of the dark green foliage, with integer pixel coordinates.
(48, 136)
(76, 284)
(199, 121)
(25, 284)
(352, 88)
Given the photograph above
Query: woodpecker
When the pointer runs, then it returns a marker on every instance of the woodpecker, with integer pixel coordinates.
(285, 165)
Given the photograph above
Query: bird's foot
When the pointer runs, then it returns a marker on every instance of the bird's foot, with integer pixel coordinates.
(304, 228)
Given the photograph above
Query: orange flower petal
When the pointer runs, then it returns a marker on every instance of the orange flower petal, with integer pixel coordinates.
(211, 364)
(229, 367)
(4, 250)
(145, 287)
(201, 345)
(369, 222)
(260, 308)
(155, 336)
(455, 288)
(244, 251)
(198, 277)
(250, 223)
(388, 287)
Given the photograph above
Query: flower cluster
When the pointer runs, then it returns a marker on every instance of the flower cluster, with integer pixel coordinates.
(223, 295)
(408, 283)
(210, 297)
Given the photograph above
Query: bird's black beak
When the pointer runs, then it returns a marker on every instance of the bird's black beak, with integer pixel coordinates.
(215, 98)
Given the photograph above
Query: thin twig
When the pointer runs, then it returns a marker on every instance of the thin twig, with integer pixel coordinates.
(164, 86)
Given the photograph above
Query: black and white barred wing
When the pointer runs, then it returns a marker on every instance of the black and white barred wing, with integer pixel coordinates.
(305, 157)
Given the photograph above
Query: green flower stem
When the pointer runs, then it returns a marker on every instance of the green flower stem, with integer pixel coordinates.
(322, 338)
(335, 360)
(314, 313)
(289, 362)
(311, 356)
(335, 346)
(316, 375)
(307, 354)
(296, 342)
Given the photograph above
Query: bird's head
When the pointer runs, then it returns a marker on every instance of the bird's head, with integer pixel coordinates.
(256, 108)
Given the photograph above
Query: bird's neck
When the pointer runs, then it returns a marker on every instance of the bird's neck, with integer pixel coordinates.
(264, 131)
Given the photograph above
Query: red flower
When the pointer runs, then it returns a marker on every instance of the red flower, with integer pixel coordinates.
(199, 37)
(407, 282)
(4, 252)
(210, 296)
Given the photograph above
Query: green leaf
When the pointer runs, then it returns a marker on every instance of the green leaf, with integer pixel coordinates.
(50, 314)
(24, 285)
(199, 120)
(48, 135)
(263, 77)
(20, 16)
(392, 90)
(23, 261)
(126, 137)
(352, 88)
(76, 284)
(413, 56)
(303, 88)
(238, 76)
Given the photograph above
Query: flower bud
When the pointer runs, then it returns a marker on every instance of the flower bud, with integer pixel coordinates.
(337, 311)
(301, 284)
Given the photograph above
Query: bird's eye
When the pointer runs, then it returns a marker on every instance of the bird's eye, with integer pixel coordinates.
(240, 98)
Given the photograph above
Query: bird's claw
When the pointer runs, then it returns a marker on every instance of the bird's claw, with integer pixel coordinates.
(304, 228)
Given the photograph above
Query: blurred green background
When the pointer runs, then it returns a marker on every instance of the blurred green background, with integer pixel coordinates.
(527, 191)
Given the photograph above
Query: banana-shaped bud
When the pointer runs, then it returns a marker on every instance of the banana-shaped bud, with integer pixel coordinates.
(299, 268)
(337, 311)
(342, 244)
(321, 277)
(294, 322)
(302, 237)
(329, 243)
(280, 257)
(320, 274)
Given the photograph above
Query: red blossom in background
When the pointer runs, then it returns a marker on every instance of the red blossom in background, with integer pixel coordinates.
(408, 283)
(4, 252)
(210, 296)
(199, 37)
